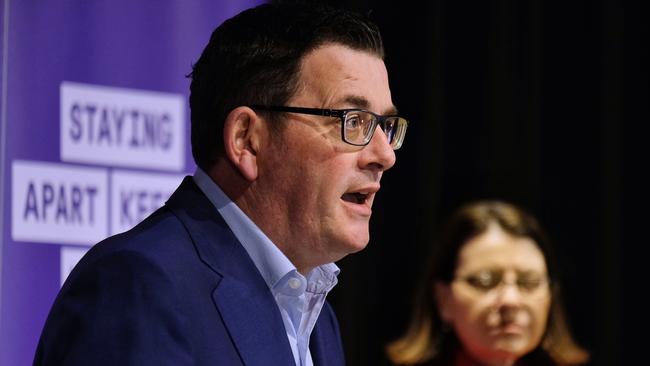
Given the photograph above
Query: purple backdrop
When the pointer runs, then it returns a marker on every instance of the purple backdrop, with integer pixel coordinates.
(143, 45)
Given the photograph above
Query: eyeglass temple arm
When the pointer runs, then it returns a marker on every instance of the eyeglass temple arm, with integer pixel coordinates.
(312, 111)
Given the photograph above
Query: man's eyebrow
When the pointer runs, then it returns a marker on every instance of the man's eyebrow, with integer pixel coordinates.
(356, 101)
(391, 111)
(362, 103)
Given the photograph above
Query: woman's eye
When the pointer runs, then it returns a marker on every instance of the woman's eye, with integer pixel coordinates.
(484, 280)
(529, 282)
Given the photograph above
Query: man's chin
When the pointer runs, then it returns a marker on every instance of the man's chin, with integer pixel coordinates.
(355, 242)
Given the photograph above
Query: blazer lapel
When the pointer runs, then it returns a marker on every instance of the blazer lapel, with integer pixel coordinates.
(242, 297)
(254, 324)
(325, 341)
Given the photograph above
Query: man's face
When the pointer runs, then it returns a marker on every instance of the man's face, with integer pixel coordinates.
(321, 187)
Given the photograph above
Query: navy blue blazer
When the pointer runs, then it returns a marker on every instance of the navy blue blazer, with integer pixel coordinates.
(178, 289)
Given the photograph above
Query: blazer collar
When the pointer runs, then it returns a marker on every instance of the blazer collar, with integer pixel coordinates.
(242, 297)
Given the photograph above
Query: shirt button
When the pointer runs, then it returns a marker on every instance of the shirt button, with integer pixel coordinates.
(294, 283)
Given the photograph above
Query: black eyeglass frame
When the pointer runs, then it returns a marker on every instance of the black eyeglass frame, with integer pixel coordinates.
(341, 114)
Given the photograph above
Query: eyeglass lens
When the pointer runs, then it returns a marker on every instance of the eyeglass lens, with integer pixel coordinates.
(487, 280)
(360, 126)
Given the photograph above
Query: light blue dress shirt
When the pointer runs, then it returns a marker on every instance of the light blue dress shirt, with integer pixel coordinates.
(299, 298)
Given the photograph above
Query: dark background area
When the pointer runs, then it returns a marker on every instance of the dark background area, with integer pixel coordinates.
(538, 103)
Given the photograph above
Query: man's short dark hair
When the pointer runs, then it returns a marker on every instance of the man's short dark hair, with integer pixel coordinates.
(254, 58)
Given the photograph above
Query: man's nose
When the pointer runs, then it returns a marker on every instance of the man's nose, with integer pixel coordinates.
(378, 154)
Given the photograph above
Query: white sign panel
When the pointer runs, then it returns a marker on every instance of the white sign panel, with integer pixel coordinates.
(122, 127)
(136, 195)
(57, 203)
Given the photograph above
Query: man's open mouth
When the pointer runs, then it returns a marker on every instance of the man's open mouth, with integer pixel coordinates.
(355, 197)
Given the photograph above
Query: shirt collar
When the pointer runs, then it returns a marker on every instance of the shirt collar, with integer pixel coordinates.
(272, 264)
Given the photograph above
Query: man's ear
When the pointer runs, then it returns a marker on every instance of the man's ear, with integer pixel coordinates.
(242, 134)
(442, 296)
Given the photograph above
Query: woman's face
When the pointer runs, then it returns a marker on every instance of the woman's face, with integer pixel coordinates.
(499, 300)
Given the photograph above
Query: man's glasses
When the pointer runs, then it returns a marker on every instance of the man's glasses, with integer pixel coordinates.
(488, 280)
(358, 125)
